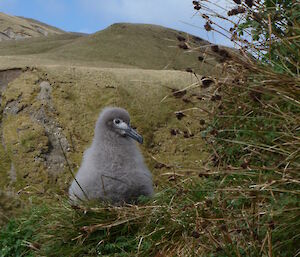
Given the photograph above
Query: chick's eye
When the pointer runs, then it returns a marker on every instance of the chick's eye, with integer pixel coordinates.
(117, 121)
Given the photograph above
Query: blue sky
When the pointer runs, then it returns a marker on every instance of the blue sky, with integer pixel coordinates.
(93, 15)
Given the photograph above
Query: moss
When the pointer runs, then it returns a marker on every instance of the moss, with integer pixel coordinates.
(4, 166)
(24, 138)
(23, 89)
(25, 141)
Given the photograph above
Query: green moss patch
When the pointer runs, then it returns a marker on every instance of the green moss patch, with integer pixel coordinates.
(25, 141)
(4, 166)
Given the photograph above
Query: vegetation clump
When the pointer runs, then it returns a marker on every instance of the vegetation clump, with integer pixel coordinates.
(255, 132)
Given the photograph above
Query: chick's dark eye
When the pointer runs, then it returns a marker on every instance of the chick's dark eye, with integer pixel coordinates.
(117, 121)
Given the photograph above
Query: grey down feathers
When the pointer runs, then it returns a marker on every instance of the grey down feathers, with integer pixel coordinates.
(112, 168)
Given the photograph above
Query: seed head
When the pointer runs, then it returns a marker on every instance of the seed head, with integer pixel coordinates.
(207, 26)
(181, 38)
(249, 3)
(214, 48)
(183, 45)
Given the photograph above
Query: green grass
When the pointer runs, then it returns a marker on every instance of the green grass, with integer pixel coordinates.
(255, 137)
(17, 234)
(172, 222)
(190, 218)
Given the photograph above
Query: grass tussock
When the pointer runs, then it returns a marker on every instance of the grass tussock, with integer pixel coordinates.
(178, 221)
(255, 132)
(255, 136)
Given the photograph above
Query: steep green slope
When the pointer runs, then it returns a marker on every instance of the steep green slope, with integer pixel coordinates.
(140, 45)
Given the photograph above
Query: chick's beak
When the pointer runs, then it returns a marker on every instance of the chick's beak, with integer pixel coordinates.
(130, 132)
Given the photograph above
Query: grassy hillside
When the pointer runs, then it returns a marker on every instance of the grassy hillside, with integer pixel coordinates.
(140, 45)
(12, 27)
(120, 45)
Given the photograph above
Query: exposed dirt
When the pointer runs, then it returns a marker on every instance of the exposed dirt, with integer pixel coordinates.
(54, 158)
(9, 34)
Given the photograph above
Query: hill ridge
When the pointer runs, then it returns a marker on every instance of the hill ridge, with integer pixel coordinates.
(124, 44)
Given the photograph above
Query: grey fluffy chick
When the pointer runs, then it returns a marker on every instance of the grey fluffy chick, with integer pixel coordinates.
(113, 168)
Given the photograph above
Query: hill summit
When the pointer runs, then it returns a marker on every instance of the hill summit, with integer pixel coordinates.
(140, 45)
(123, 45)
